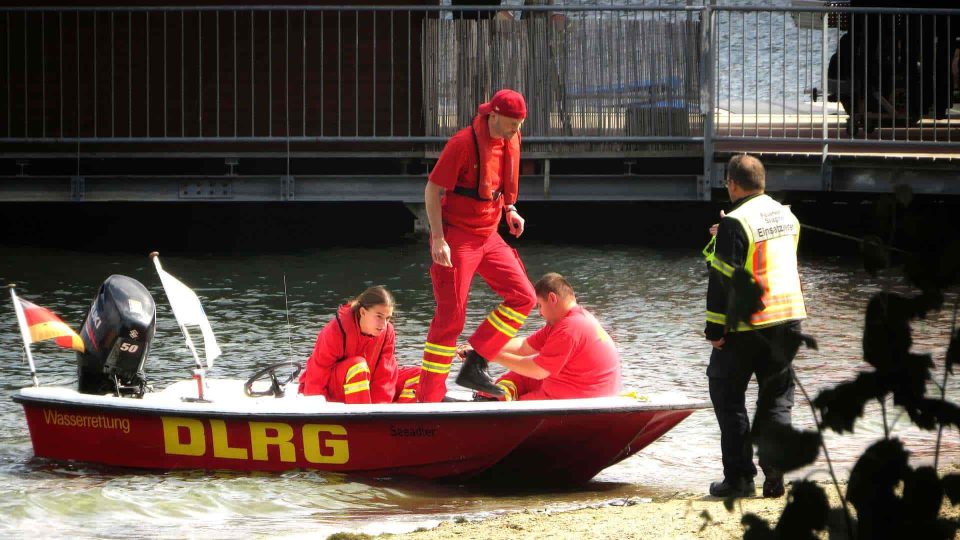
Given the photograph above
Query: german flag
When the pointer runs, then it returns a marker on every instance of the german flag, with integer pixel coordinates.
(43, 325)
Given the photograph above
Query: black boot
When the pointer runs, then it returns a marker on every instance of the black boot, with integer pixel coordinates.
(773, 486)
(740, 487)
(473, 375)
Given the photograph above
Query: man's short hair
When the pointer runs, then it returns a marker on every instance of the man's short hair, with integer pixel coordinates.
(553, 283)
(747, 172)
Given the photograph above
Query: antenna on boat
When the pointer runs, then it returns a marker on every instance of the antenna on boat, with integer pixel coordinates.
(286, 305)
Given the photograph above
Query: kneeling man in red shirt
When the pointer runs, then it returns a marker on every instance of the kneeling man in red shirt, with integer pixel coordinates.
(571, 357)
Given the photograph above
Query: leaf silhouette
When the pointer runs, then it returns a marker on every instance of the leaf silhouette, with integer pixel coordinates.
(923, 494)
(784, 447)
(908, 381)
(886, 333)
(707, 520)
(953, 351)
(841, 405)
(756, 528)
(951, 487)
(931, 413)
(881, 467)
(807, 510)
(871, 488)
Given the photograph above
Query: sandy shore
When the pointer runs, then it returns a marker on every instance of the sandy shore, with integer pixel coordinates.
(687, 516)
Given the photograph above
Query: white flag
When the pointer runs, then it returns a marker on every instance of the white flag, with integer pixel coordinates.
(188, 311)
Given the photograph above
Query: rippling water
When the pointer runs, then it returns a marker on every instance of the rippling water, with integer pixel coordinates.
(650, 300)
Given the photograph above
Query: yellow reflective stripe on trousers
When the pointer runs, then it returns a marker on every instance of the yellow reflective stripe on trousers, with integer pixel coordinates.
(439, 350)
(718, 318)
(503, 327)
(409, 393)
(434, 367)
(511, 314)
(509, 389)
(353, 388)
(354, 369)
(412, 381)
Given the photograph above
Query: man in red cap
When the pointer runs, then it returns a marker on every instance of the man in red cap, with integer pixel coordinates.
(474, 182)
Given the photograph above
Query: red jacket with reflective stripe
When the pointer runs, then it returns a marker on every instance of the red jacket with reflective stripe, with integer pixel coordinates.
(457, 166)
(329, 349)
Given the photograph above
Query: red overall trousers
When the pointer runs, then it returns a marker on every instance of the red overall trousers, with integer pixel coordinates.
(500, 266)
(350, 383)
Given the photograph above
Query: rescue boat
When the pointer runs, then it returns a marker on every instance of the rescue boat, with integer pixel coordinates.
(114, 418)
(562, 442)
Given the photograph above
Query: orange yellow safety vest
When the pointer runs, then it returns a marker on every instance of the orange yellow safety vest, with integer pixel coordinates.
(773, 233)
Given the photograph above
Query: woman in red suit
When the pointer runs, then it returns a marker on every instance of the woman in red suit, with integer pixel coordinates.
(353, 360)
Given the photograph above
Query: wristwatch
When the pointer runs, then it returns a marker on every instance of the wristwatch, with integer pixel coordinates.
(509, 208)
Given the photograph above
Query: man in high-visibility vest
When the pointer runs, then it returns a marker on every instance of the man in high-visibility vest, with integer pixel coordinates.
(759, 235)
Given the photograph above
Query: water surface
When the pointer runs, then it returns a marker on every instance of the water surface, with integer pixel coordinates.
(650, 300)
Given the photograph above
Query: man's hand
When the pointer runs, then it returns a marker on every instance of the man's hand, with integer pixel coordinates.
(440, 251)
(715, 226)
(717, 344)
(515, 222)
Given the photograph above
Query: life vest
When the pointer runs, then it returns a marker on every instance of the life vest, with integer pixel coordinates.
(326, 355)
(348, 324)
(773, 233)
(483, 189)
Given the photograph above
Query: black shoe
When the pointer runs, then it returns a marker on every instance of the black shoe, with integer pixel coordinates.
(733, 488)
(773, 486)
(473, 375)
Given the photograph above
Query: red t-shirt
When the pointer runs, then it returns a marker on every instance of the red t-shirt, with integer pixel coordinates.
(457, 166)
(580, 356)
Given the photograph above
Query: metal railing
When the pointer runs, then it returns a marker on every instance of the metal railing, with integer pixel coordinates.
(607, 76)
(849, 76)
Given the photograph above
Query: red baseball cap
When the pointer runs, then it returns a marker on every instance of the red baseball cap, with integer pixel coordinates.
(506, 102)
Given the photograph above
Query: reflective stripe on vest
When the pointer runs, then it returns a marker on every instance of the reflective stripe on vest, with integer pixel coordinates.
(773, 233)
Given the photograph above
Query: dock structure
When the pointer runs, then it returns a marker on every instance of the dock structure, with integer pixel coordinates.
(251, 101)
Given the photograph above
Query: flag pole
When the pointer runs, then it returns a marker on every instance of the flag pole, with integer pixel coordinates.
(193, 349)
(199, 373)
(24, 332)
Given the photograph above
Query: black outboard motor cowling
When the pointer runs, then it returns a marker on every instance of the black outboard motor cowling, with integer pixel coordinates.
(116, 333)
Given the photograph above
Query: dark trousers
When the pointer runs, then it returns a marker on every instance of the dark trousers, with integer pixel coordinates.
(769, 354)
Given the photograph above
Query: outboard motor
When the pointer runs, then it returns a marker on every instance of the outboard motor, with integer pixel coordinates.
(116, 333)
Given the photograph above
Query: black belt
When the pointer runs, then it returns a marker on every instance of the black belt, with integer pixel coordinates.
(474, 193)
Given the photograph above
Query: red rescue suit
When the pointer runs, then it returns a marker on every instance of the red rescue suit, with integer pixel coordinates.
(479, 175)
(580, 356)
(349, 366)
